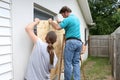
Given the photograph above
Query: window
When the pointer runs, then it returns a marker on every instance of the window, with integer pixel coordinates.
(42, 13)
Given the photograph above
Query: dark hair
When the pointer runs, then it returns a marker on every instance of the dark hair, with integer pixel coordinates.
(64, 9)
(51, 39)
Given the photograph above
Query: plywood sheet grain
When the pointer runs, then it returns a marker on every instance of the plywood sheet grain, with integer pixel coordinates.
(42, 29)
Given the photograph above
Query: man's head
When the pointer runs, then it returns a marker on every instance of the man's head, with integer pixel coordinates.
(65, 11)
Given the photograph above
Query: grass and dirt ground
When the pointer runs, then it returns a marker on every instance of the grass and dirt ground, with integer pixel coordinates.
(96, 68)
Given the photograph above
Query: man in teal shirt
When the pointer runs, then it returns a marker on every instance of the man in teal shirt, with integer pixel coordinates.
(71, 25)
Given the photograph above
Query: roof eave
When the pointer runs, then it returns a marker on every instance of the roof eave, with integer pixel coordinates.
(84, 6)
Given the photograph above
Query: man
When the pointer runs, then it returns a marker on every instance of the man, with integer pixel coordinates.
(73, 45)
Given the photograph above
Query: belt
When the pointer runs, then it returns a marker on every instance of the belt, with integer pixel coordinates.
(73, 38)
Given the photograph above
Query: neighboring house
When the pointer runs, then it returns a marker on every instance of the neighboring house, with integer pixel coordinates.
(15, 45)
(116, 32)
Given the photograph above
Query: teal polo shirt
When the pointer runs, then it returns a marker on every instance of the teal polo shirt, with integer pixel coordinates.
(71, 25)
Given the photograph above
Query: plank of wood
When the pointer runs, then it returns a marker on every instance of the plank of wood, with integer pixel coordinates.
(42, 29)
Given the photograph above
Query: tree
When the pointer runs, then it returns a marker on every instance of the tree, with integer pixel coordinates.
(116, 18)
(105, 15)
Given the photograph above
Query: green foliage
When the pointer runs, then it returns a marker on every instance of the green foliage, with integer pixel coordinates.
(116, 18)
(105, 15)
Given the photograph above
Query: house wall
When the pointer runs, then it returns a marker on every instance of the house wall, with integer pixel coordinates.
(5, 40)
(22, 14)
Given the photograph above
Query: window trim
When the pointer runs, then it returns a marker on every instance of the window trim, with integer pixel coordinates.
(42, 9)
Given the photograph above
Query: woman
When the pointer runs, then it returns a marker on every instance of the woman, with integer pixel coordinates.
(43, 57)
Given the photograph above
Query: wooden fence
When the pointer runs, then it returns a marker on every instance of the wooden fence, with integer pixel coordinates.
(116, 58)
(99, 45)
(107, 46)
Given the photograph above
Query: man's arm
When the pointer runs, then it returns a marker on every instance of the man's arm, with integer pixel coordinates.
(55, 25)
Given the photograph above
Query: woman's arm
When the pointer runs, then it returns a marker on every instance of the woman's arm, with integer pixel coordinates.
(30, 30)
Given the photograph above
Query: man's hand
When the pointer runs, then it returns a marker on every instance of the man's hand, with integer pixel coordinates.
(50, 20)
(54, 25)
(58, 21)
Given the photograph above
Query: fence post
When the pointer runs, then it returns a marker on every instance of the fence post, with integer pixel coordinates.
(114, 58)
(117, 63)
(88, 45)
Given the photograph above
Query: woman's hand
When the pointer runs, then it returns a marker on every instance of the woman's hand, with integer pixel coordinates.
(29, 29)
(37, 20)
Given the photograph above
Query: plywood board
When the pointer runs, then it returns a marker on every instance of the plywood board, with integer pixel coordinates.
(42, 29)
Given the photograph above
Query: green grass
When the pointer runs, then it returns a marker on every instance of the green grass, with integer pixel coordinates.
(96, 68)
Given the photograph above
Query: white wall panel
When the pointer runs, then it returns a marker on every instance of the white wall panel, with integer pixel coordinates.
(5, 31)
(8, 1)
(5, 50)
(4, 22)
(5, 59)
(7, 76)
(6, 71)
(4, 13)
(5, 40)
(5, 68)
(4, 5)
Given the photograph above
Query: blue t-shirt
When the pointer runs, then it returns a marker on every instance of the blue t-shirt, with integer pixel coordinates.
(71, 24)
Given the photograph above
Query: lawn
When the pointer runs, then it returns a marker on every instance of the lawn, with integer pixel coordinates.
(96, 68)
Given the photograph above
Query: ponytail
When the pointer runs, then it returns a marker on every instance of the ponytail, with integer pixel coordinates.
(50, 49)
(51, 39)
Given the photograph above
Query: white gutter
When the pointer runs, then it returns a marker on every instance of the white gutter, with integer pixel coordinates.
(84, 6)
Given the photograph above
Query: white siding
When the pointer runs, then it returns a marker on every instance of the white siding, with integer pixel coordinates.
(6, 71)
(4, 22)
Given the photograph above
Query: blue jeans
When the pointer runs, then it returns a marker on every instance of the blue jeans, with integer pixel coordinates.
(72, 59)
